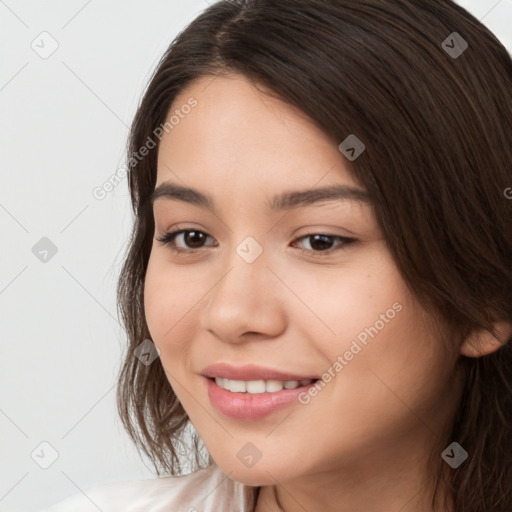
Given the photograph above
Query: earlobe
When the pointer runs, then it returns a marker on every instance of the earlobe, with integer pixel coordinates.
(480, 343)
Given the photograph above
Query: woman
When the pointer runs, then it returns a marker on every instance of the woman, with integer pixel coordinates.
(319, 278)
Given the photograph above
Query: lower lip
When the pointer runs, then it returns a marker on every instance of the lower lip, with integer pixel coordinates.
(251, 406)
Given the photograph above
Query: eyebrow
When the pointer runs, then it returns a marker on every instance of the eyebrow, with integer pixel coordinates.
(283, 201)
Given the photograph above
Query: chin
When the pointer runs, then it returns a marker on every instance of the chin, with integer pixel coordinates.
(260, 474)
(252, 477)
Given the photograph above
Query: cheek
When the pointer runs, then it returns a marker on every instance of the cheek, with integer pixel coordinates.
(170, 326)
(368, 316)
(168, 303)
(345, 304)
(398, 369)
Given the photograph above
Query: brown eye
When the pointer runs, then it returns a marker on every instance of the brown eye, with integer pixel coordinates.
(193, 239)
(322, 243)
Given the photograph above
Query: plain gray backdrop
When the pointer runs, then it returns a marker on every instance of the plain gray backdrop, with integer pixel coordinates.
(72, 74)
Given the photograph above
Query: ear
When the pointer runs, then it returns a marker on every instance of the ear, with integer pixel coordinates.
(481, 342)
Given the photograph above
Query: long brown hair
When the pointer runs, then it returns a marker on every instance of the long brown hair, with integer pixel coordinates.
(437, 127)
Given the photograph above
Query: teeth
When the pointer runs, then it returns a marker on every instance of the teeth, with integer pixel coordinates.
(255, 386)
(259, 386)
(271, 386)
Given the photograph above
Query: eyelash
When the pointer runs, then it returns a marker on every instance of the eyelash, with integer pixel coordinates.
(168, 239)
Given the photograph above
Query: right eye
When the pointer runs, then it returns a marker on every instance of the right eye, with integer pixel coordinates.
(194, 241)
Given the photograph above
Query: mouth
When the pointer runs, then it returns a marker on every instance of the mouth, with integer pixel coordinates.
(257, 387)
(255, 399)
(251, 372)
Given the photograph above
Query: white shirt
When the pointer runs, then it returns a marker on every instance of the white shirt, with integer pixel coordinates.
(205, 490)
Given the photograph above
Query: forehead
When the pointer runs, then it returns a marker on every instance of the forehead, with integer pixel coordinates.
(237, 137)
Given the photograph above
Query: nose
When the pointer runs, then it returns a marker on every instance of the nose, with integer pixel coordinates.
(247, 302)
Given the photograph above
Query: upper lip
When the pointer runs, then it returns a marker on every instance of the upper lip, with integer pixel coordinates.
(250, 372)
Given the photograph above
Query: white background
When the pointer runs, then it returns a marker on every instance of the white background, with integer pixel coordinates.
(64, 125)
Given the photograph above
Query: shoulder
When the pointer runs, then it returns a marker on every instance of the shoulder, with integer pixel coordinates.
(205, 490)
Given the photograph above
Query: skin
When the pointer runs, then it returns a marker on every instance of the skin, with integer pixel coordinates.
(362, 443)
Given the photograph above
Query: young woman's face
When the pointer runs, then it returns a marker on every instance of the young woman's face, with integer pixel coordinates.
(274, 290)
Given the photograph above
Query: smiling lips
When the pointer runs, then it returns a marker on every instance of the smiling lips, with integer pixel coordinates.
(259, 386)
(250, 373)
(251, 392)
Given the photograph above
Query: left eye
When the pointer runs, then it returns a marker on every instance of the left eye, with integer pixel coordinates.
(321, 241)
(194, 242)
